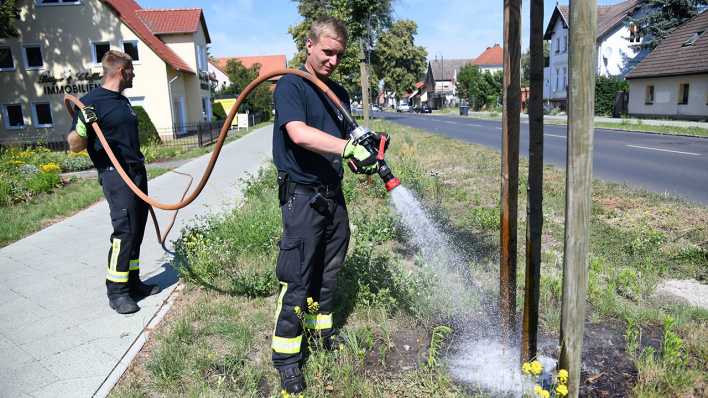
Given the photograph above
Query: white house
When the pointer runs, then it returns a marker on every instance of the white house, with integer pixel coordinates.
(58, 51)
(222, 80)
(619, 45)
(672, 82)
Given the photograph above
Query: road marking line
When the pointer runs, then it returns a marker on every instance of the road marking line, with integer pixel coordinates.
(664, 150)
(554, 135)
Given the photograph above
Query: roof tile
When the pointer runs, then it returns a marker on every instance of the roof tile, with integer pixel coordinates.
(492, 56)
(127, 11)
(672, 58)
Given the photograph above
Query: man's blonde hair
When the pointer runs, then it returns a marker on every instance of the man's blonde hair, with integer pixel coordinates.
(328, 26)
(112, 60)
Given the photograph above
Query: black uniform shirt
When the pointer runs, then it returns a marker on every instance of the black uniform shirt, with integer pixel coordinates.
(119, 124)
(297, 99)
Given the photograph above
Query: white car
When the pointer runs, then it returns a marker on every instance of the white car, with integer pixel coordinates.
(403, 108)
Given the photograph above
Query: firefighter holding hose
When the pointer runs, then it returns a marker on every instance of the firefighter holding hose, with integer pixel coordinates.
(112, 110)
(310, 140)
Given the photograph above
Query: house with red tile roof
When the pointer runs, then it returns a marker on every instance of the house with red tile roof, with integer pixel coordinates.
(268, 63)
(491, 59)
(59, 51)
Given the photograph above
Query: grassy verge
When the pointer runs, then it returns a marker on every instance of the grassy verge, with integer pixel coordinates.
(216, 343)
(24, 218)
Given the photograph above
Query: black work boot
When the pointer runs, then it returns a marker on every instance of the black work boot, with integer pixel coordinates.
(333, 341)
(123, 304)
(141, 290)
(291, 380)
(138, 289)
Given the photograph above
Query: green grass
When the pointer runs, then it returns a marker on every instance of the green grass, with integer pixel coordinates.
(24, 218)
(638, 239)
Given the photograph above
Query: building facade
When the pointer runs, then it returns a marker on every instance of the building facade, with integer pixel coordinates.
(672, 82)
(491, 60)
(59, 49)
(619, 46)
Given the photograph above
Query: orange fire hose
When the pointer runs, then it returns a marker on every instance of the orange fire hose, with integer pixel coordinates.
(71, 101)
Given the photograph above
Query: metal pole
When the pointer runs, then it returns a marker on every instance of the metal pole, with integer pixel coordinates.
(364, 85)
(510, 164)
(534, 219)
(581, 104)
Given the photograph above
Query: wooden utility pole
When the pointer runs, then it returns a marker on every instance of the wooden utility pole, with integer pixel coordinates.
(581, 107)
(534, 208)
(364, 85)
(510, 164)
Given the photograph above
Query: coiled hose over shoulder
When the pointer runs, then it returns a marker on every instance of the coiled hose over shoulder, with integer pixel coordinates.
(71, 101)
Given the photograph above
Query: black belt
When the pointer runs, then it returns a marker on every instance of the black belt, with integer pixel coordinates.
(130, 168)
(328, 191)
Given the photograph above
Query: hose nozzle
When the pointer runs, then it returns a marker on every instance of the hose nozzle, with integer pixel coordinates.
(390, 181)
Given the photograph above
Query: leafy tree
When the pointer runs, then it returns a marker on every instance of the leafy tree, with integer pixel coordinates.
(480, 89)
(8, 14)
(260, 98)
(667, 15)
(146, 129)
(365, 20)
(526, 66)
(397, 59)
(606, 89)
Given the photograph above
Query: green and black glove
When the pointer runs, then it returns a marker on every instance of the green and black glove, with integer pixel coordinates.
(86, 116)
(363, 161)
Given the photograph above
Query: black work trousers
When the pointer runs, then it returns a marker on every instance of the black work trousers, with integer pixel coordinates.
(128, 217)
(312, 250)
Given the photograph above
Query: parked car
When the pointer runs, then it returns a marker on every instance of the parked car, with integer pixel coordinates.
(403, 108)
(375, 108)
(423, 109)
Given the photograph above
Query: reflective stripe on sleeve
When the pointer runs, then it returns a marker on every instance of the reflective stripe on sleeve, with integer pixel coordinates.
(134, 265)
(287, 345)
(318, 321)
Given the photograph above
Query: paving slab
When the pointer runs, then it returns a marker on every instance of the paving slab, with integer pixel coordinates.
(58, 337)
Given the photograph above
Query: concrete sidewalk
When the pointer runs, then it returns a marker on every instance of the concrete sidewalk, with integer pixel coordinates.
(58, 337)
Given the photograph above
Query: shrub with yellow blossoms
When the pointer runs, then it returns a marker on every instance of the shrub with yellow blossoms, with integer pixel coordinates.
(50, 167)
(559, 389)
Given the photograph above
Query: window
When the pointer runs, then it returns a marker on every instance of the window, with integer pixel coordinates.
(683, 93)
(201, 58)
(557, 73)
(98, 50)
(131, 48)
(565, 78)
(565, 44)
(57, 2)
(42, 114)
(649, 95)
(692, 40)
(33, 56)
(634, 34)
(6, 61)
(206, 111)
(12, 116)
(558, 45)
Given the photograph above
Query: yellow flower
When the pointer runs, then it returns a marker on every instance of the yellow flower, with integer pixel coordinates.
(562, 390)
(537, 389)
(312, 306)
(563, 376)
(50, 168)
(526, 368)
(297, 310)
(536, 368)
(545, 394)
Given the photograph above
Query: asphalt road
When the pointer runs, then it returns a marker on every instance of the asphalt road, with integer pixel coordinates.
(659, 163)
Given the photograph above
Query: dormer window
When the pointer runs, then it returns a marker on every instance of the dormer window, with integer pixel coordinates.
(634, 34)
(692, 40)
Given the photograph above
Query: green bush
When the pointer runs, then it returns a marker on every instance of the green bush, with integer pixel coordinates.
(605, 90)
(42, 182)
(218, 112)
(147, 130)
(76, 163)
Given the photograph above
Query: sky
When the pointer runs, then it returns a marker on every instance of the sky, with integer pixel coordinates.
(446, 28)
